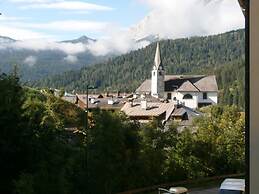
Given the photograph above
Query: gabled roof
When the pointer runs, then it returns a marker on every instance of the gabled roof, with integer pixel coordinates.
(187, 86)
(154, 109)
(101, 103)
(145, 86)
(184, 83)
(207, 83)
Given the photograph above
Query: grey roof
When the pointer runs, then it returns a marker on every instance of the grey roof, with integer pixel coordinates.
(102, 103)
(145, 86)
(179, 112)
(184, 83)
(191, 113)
(154, 109)
(187, 86)
(207, 83)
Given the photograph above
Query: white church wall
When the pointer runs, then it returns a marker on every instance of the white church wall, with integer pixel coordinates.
(212, 97)
(191, 103)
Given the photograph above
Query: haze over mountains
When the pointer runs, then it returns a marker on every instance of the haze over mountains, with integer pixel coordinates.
(37, 59)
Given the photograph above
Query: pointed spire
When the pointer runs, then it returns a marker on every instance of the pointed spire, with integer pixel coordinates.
(157, 61)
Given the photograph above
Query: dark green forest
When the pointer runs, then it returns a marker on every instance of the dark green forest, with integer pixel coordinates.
(38, 155)
(222, 55)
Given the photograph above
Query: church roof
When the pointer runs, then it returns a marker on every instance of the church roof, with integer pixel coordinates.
(157, 61)
(184, 83)
(207, 83)
(187, 86)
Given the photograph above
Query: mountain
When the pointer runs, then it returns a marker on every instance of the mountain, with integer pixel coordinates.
(149, 38)
(6, 40)
(222, 55)
(82, 39)
(39, 63)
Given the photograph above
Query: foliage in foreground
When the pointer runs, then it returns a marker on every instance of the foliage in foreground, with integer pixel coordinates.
(115, 154)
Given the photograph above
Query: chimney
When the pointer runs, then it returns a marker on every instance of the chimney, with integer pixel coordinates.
(131, 102)
(143, 104)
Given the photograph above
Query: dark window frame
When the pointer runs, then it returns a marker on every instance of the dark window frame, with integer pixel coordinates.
(169, 96)
(205, 95)
(187, 97)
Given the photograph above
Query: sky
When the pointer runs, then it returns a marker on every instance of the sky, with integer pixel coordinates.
(67, 19)
(116, 24)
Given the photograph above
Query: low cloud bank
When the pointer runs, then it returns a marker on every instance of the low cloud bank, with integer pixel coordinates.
(30, 60)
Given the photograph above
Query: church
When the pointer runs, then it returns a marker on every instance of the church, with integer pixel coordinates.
(192, 91)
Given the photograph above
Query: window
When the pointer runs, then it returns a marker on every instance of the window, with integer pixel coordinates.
(187, 96)
(205, 95)
(169, 96)
(154, 73)
(160, 73)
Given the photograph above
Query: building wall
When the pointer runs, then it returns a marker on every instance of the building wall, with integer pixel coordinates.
(212, 97)
(197, 97)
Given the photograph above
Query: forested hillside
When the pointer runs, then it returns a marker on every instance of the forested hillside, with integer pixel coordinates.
(222, 55)
(37, 63)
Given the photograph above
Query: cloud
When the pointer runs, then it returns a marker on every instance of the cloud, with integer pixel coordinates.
(118, 42)
(185, 18)
(67, 25)
(173, 19)
(67, 5)
(30, 60)
(19, 33)
(10, 18)
(40, 45)
(71, 59)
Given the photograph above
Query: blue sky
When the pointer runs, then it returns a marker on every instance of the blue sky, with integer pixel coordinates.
(16, 13)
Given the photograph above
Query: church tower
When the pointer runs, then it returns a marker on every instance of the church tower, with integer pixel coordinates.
(158, 76)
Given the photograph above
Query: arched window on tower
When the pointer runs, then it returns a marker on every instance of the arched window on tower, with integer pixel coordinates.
(187, 96)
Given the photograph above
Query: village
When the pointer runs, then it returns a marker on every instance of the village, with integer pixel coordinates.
(167, 98)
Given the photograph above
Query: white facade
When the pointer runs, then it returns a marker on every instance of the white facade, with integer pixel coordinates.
(197, 98)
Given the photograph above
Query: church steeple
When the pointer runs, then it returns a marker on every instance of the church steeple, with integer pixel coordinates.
(157, 61)
(158, 75)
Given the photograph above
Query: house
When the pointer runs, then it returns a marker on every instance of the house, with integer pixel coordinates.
(144, 110)
(193, 91)
(100, 102)
(183, 117)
